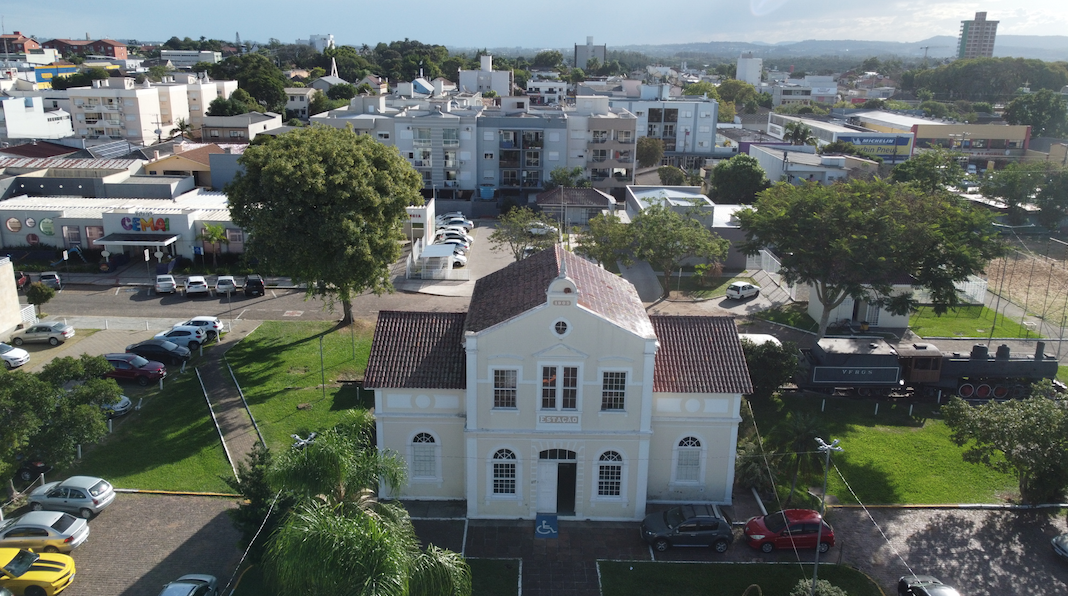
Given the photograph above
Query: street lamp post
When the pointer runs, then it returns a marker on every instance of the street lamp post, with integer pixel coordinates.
(826, 450)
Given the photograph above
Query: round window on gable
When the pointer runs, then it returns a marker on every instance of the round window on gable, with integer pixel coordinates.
(561, 328)
(567, 290)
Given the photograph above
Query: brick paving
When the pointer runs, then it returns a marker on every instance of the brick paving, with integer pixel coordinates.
(141, 542)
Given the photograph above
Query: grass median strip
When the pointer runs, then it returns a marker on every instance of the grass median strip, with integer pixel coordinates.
(169, 444)
(278, 367)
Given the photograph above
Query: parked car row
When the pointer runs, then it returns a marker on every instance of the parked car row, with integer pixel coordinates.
(197, 285)
(453, 229)
(706, 525)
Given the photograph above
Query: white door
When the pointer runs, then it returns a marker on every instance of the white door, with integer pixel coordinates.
(547, 486)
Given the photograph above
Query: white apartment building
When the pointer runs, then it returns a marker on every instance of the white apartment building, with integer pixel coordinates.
(749, 69)
(486, 79)
(189, 58)
(298, 99)
(25, 118)
(545, 93)
(142, 114)
(685, 125)
(319, 42)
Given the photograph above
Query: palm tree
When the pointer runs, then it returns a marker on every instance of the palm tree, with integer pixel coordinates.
(213, 234)
(796, 436)
(798, 133)
(183, 129)
(339, 524)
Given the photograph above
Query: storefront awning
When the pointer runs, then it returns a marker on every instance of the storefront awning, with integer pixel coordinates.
(137, 240)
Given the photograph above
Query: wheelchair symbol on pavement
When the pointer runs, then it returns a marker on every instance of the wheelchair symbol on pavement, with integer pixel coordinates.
(545, 528)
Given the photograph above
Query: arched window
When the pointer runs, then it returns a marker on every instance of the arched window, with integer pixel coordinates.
(504, 472)
(688, 460)
(424, 456)
(610, 475)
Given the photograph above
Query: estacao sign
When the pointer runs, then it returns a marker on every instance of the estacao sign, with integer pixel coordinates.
(146, 224)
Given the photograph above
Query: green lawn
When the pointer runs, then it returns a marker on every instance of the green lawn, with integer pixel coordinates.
(278, 367)
(966, 321)
(170, 444)
(794, 315)
(726, 579)
(494, 577)
(892, 457)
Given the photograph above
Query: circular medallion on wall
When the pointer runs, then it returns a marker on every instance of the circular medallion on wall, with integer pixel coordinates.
(48, 227)
(32, 239)
(422, 401)
(31, 222)
(13, 224)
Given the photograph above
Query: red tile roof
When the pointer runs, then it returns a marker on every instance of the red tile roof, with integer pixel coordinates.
(522, 286)
(200, 154)
(417, 350)
(699, 355)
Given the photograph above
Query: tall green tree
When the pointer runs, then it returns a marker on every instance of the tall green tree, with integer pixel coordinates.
(513, 233)
(548, 59)
(795, 437)
(671, 176)
(930, 171)
(606, 240)
(650, 151)
(702, 88)
(338, 523)
(182, 128)
(325, 206)
(39, 294)
(799, 133)
(1045, 112)
(213, 234)
(1016, 185)
(771, 365)
(738, 180)
(1024, 437)
(666, 238)
(736, 91)
(568, 177)
(857, 239)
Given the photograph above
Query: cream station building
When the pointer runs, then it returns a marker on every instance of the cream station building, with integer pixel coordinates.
(556, 393)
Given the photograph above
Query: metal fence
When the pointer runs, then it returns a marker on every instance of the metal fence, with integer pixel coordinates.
(770, 265)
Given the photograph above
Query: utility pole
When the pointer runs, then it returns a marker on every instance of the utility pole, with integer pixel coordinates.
(826, 450)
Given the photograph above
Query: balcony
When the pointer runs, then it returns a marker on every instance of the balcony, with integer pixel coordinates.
(423, 163)
(510, 183)
(450, 183)
(450, 142)
(509, 163)
(509, 144)
(625, 140)
(421, 143)
(451, 163)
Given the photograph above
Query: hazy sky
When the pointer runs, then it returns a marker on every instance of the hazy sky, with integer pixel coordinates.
(542, 24)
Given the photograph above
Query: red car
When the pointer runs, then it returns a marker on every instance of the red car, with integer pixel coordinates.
(131, 367)
(788, 529)
(21, 281)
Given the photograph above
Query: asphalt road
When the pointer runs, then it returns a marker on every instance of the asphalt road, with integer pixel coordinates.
(142, 302)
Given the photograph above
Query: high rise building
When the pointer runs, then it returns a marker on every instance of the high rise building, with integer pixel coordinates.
(585, 53)
(749, 69)
(977, 37)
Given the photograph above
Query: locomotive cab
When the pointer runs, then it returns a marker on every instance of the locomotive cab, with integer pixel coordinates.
(920, 363)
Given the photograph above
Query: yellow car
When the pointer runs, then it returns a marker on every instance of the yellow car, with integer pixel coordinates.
(27, 573)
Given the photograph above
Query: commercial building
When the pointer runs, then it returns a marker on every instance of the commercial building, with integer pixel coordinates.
(585, 53)
(979, 142)
(811, 89)
(976, 39)
(800, 164)
(189, 58)
(17, 42)
(749, 69)
(891, 147)
(556, 393)
(240, 128)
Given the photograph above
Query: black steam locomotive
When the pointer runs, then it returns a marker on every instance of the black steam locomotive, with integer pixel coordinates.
(874, 367)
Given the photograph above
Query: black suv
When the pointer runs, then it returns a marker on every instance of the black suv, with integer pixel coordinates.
(254, 286)
(688, 525)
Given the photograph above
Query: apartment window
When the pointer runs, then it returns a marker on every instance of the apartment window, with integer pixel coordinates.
(600, 155)
(624, 136)
(613, 390)
(532, 138)
(671, 115)
(213, 134)
(504, 388)
(487, 156)
(424, 458)
(237, 134)
(384, 136)
(504, 472)
(688, 460)
(508, 138)
(531, 178)
(656, 115)
(450, 137)
(610, 475)
(422, 137)
(510, 178)
(450, 159)
(559, 384)
(532, 159)
(627, 156)
(600, 136)
(653, 130)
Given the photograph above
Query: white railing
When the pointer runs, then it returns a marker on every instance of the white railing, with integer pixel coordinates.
(768, 263)
(29, 314)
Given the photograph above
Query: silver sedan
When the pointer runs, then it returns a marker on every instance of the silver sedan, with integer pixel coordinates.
(48, 531)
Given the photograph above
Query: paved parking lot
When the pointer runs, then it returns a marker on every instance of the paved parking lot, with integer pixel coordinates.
(141, 542)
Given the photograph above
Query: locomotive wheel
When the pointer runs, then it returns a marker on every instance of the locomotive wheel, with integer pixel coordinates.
(966, 390)
(1001, 391)
(864, 391)
(983, 391)
(1019, 391)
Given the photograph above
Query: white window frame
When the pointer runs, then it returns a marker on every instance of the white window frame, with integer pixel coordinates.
(493, 386)
(435, 451)
(702, 452)
(559, 386)
(600, 389)
(517, 495)
(623, 487)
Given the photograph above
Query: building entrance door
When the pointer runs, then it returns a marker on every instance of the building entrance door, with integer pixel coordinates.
(557, 472)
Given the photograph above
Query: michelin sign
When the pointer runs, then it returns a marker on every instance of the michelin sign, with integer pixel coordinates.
(892, 148)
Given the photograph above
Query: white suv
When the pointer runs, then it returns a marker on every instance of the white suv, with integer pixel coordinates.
(211, 325)
(740, 290)
(196, 285)
(225, 284)
(165, 284)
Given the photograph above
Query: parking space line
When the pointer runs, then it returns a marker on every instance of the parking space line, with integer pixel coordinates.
(273, 295)
(116, 291)
(243, 310)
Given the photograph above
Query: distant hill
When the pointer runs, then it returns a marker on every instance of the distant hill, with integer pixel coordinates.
(1048, 47)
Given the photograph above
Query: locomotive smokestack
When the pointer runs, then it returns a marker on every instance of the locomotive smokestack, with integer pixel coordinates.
(979, 352)
(1003, 352)
(1040, 351)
